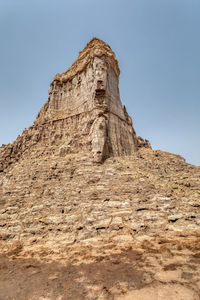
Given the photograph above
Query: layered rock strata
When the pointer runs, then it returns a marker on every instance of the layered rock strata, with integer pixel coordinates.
(79, 230)
(127, 228)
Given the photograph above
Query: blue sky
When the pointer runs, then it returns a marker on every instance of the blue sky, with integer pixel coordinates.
(157, 44)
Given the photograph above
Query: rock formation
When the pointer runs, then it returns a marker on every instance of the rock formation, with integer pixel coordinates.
(83, 112)
(87, 209)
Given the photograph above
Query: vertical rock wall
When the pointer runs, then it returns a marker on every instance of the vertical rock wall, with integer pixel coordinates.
(93, 90)
(83, 113)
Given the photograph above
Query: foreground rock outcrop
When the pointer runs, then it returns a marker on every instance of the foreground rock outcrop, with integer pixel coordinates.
(87, 209)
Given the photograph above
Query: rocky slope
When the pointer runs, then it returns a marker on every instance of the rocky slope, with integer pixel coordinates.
(79, 224)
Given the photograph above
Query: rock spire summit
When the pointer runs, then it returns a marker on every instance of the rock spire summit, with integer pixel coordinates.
(95, 48)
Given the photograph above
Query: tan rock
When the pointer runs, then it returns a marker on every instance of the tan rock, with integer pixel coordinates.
(87, 209)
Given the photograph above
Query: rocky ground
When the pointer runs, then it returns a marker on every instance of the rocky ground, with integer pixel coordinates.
(124, 229)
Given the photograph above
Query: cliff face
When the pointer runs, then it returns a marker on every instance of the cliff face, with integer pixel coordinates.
(87, 209)
(83, 113)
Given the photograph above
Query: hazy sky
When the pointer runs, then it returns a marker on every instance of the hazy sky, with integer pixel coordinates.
(157, 44)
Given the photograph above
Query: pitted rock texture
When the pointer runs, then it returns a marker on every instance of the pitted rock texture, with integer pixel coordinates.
(83, 113)
(80, 230)
(74, 228)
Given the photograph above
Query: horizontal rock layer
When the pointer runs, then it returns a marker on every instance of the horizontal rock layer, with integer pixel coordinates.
(68, 209)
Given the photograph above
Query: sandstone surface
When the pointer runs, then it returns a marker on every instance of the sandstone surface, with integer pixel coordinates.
(87, 209)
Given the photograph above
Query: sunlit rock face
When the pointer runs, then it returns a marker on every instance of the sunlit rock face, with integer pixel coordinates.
(87, 209)
(87, 96)
(82, 114)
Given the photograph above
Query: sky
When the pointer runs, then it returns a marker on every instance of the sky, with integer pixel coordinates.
(157, 44)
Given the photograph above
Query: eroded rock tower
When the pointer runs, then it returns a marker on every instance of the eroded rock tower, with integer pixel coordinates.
(83, 113)
(86, 98)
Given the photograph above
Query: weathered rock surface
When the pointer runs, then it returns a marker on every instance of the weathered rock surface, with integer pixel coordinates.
(127, 228)
(83, 113)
